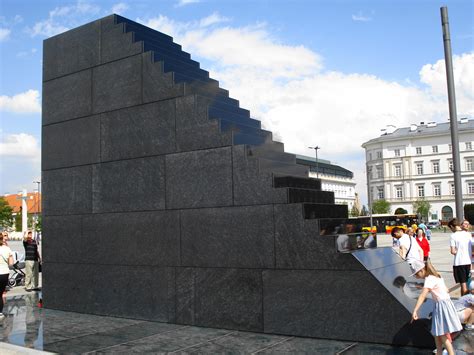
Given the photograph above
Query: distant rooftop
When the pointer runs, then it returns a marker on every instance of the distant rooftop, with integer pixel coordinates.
(422, 128)
(324, 166)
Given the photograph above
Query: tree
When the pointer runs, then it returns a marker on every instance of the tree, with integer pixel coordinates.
(364, 211)
(469, 212)
(422, 208)
(381, 206)
(354, 212)
(400, 210)
(6, 216)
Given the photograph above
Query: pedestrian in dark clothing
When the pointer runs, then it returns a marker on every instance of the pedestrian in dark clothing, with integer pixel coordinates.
(32, 260)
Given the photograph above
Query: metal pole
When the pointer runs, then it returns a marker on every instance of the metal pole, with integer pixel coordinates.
(317, 163)
(452, 113)
(369, 197)
(37, 207)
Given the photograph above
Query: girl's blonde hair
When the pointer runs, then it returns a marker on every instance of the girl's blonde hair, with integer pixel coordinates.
(430, 270)
(1, 239)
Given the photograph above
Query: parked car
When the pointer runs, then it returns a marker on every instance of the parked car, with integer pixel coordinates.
(434, 224)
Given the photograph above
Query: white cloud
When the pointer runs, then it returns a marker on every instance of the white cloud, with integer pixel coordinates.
(25, 102)
(23, 54)
(20, 145)
(63, 18)
(119, 8)
(4, 34)
(186, 2)
(212, 19)
(360, 17)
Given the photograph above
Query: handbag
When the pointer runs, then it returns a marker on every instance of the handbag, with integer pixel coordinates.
(40, 267)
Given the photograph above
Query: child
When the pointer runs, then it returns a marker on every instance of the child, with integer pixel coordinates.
(444, 320)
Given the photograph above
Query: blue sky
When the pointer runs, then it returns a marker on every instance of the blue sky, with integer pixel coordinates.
(331, 73)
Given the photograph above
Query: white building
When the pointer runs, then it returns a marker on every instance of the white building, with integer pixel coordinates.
(333, 178)
(407, 164)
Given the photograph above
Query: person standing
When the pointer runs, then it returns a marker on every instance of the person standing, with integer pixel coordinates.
(465, 225)
(6, 260)
(461, 248)
(423, 243)
(409, 248)
(32, 260)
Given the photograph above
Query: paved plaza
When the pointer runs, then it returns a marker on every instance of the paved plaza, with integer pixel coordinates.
(31, 329)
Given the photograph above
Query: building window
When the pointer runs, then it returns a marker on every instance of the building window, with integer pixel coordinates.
(435, 167)
(418, 150)
(379, 171)
(398, 192)
(468, 164)
(380, 194)
(421, 190)
(452, 188)
(450, 147)
(436, 190)
(419, 168)
(450, 165)
(435, 149)
(470, 188)
(398, 170)
(370, 156)
(468, 146)
(397, 152)
(379, 155)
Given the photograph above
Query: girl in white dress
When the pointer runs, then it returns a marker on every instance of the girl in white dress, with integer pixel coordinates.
(444, 320)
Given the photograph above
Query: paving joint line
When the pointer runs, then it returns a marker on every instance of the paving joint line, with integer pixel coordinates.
(271, 346)
(203, 342)
(148, 336)
(347, 348)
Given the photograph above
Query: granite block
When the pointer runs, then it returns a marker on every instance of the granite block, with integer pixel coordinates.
(67, 97)
(228, 237)
(306, 303)
(199, 179)
(64, 242)
(298, 244)
(143, 292)
(158, 85)
(67, 191)
(129, 185)
(126, 235)
(185, 310)
(71, 143)
(191, 111)
(223, 298)
(138, 131)
(204, 136)
(251, 186)
(71, 51)
(117, 84)
(115, 43)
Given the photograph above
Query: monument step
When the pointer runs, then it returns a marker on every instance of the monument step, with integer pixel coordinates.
(279, 167)
(210, 91)
(272, 154)
(302, 183)
(236, 126)
(324, 210)
(312, 196)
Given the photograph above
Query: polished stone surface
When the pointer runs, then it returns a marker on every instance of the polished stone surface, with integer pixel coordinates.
(29, 326)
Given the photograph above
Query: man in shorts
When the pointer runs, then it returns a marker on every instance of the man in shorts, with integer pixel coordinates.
(461, 248)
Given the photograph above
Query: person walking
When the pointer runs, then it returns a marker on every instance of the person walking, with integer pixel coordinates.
(6, 260)
(461, 248)
(423, 243)
(444, 319)
(409, 248)
(32, 260)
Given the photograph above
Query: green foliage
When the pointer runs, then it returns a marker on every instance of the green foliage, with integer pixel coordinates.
(400, 210)
(6, 216)
(354, 212)
(422, 208)
(18, 222)
(469, 212)
(380, 206)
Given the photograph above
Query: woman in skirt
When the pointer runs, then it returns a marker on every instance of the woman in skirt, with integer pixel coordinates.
(445, 319)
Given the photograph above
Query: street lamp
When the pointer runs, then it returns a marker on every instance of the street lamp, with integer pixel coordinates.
(38, 207)
(317, 165)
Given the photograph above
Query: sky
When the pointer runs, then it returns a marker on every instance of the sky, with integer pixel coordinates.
(330, 73)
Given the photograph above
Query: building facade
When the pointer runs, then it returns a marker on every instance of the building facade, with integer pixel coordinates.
(333, 178)
(416, 162)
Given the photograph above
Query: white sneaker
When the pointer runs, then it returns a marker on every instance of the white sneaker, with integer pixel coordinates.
(2, 316)
(469, 327)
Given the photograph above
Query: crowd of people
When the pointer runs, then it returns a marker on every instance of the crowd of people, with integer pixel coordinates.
(7, 260)
(447, 316)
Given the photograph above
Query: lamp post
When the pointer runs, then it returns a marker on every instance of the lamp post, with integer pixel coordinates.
(317, 165)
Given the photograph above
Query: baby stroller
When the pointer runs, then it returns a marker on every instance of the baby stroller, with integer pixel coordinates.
(17, 275)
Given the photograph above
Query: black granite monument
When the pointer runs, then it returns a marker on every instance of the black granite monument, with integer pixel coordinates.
(165, 201)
